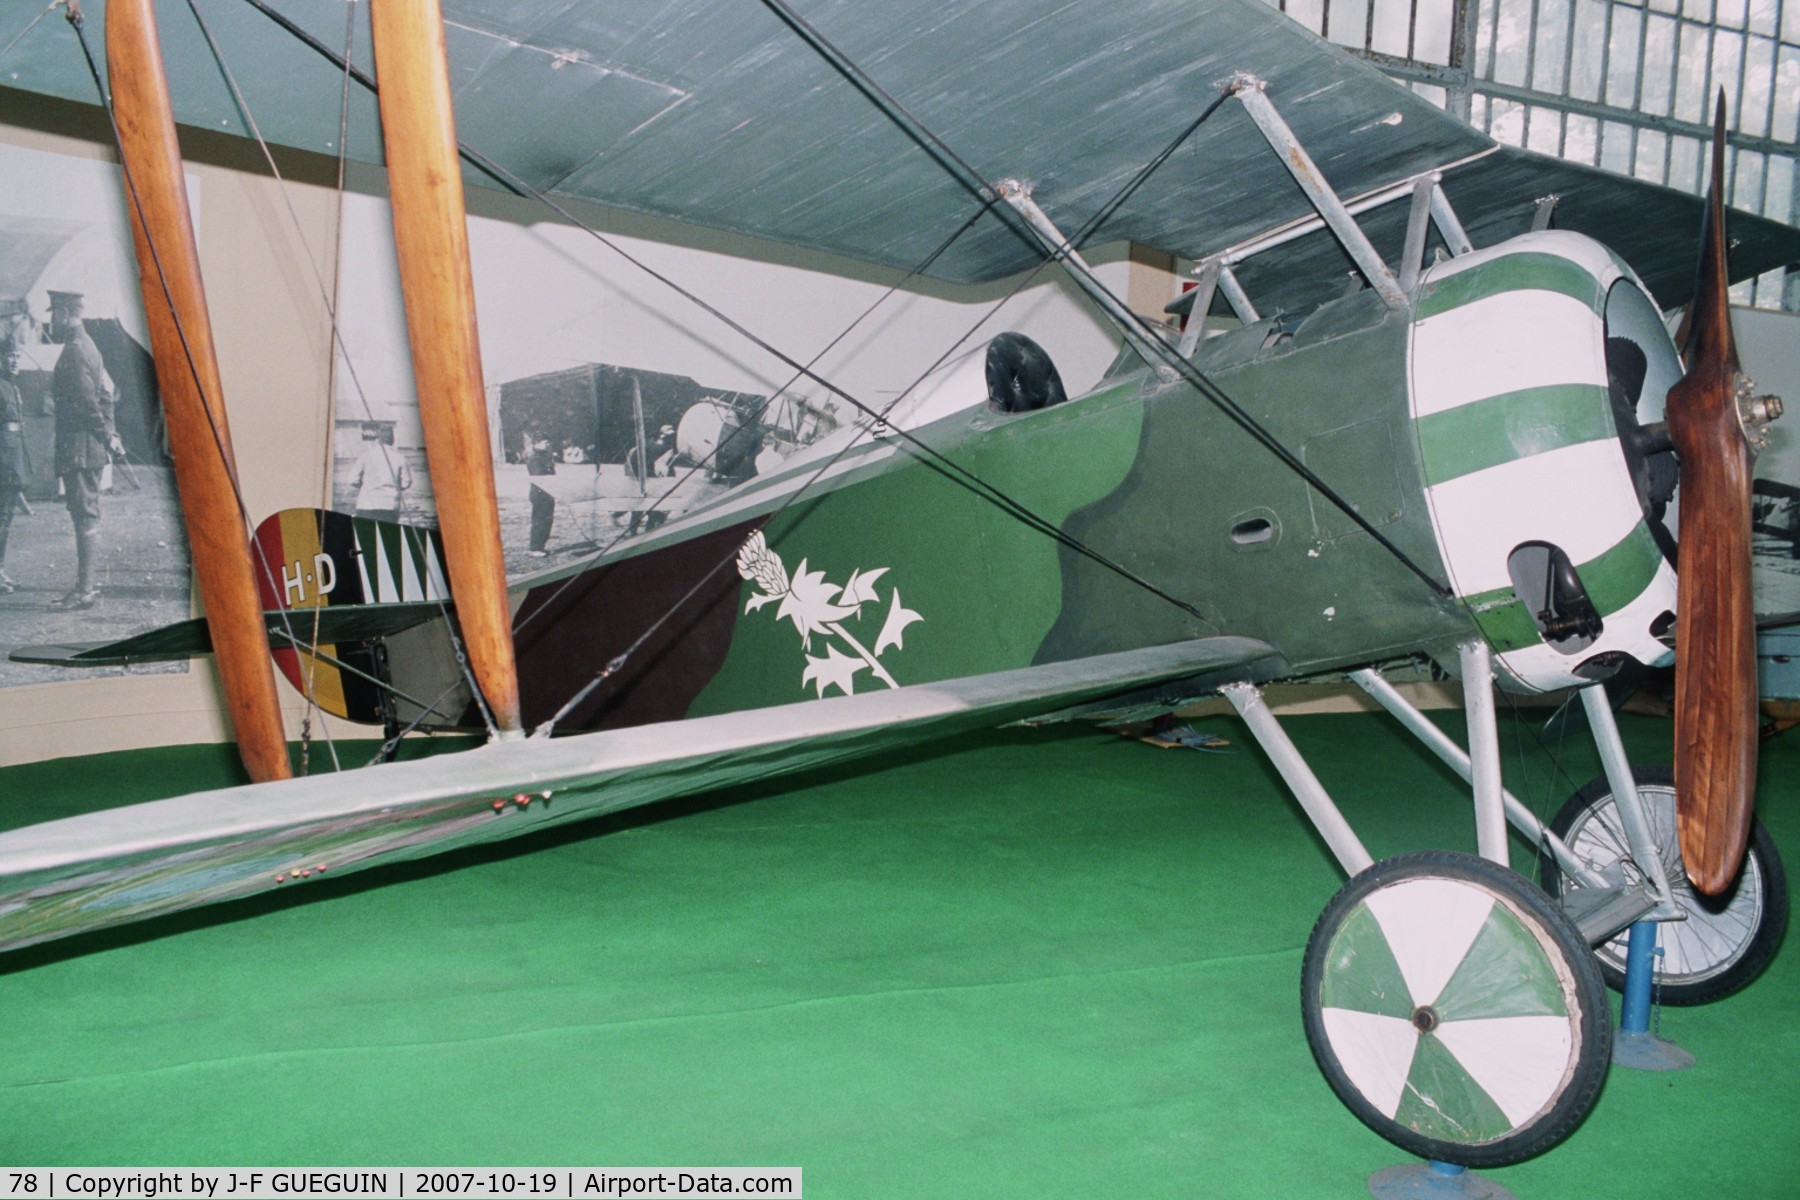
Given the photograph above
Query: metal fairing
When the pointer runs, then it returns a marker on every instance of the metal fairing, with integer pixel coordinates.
(848, 590)
(1517, 438)
(1214, 517)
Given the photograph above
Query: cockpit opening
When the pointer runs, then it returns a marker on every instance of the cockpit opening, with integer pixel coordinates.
(1020, 375)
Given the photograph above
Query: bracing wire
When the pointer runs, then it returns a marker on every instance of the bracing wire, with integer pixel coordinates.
(325, 295)
(48, 9)
(969, 178)
(618, 661)
(951, 468)
(78, 22)
(692, 471)
(966, 175)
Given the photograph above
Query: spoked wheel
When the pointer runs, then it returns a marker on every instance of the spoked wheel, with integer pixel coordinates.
(1726, 941)
(1455, 1009)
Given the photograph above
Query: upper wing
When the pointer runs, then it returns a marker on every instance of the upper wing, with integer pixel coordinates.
(107, 868)
(712, 111)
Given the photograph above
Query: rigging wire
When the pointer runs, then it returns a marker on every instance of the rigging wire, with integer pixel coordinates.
(1024, 281)
(951, 468)
(462, 661)
(218, 435)
(324, 297)
(966, 175)
(970, 179)
(48, 9)
(955, 470)
(78, 22)
(309, 664)
(243, 107)
(334, 661)
(783, 389)
(875, 425)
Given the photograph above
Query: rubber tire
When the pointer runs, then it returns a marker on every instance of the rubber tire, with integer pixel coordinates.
(1554, 947)
(1755, 941)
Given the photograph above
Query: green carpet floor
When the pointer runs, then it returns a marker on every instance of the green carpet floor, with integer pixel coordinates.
(1032, 963)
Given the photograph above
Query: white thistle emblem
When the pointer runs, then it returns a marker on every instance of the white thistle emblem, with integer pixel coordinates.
(816, 605)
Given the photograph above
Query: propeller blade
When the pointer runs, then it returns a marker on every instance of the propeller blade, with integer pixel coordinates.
(1715, 674)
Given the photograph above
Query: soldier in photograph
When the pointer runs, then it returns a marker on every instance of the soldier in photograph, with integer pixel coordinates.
(12, 448)
(381, 478)
(86, 441)
(541, 460)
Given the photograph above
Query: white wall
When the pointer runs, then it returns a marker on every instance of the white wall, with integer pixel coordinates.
(548, 296)
(271, 345)
(1769, 351)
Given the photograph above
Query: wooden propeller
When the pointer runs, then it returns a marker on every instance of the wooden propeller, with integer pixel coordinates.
(1715, 675)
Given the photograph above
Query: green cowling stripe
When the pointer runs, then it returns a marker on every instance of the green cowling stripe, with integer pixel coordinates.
(1512, 273)
(1506, 623)
(1613, 580)
(1510, 426)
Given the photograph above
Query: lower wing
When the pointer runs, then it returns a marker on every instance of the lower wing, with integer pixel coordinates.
(108, 868)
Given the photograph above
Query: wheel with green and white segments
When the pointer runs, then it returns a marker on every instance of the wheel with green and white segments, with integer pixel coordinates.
(1726, 941)
(1455, 1009)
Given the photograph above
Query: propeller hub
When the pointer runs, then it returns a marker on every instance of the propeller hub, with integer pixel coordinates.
(1756, 413)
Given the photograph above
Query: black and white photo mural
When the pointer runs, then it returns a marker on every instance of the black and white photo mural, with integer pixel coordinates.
(92, 547)
(1770, 345)
(616, 403)
(608, 414)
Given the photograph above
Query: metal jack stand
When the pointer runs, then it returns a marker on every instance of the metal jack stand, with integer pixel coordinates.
(1433, 1181)
(1634, 1045)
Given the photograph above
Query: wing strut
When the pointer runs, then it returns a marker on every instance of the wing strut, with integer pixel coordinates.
(432, 237)
(1307, 174)
(187, 373)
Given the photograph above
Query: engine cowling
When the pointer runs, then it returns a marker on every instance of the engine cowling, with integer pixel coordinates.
(1539, 369)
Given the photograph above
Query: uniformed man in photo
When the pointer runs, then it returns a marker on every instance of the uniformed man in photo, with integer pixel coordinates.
(86, 441)
(381, 477)
(12, 447)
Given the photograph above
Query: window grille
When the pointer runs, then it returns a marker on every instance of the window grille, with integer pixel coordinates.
(1626, 85)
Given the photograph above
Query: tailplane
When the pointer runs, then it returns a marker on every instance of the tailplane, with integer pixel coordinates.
(356, 610)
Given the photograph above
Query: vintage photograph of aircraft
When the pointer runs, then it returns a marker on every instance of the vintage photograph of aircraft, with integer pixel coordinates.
(1431, 420)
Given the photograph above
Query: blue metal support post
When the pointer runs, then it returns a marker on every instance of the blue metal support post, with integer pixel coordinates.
(1635, 1046)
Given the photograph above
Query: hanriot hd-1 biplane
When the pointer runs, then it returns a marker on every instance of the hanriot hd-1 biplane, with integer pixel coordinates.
(1448, 423)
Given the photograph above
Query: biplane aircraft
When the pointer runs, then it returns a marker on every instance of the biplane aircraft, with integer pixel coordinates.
(1444, 421)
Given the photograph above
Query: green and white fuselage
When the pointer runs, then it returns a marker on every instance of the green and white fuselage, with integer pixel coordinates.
(1474, 423)
(1477, 420)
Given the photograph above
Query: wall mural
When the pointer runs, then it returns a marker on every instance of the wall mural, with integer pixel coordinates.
(1772, 359)
(1775, 544)
(589, 449)
(92, 546)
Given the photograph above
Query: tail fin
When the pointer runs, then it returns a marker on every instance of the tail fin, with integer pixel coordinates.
(313, 562)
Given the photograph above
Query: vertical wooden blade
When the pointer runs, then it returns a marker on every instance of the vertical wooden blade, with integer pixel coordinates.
(431, 235)
(1715, 675)
(187, 374)
(1705, 331)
